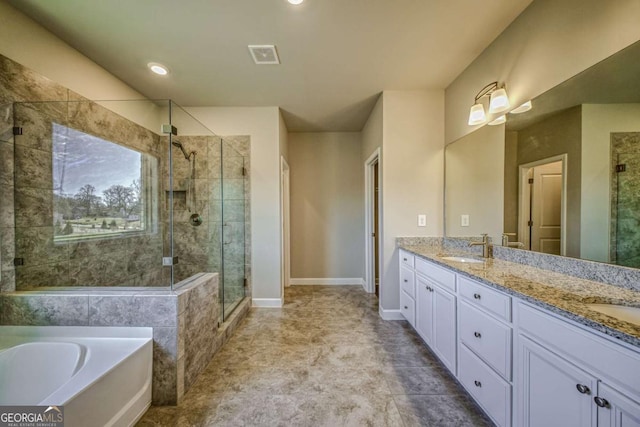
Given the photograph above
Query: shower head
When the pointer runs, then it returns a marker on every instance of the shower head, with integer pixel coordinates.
(184, 152)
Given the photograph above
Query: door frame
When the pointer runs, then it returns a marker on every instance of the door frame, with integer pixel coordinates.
(285, 226)
(524, 203)
(369, 188)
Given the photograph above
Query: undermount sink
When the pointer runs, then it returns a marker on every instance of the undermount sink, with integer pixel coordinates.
(463, 259)
(621, 312)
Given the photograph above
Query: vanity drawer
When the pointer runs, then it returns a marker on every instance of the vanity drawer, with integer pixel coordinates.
(490, 391)
(406, 259)
(487, 337)
(442, 276)
(408, 308)
(407, 281)
(480, 295)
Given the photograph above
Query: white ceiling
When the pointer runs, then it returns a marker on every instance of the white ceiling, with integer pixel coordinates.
(336, 55)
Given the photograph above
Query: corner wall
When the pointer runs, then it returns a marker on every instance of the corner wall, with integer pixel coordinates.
(412, 177)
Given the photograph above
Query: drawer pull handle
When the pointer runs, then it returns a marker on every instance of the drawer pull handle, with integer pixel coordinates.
(583, 388)
(476, 296)
(405, 259)
(601, 402)
(477, 334)
(477, 383)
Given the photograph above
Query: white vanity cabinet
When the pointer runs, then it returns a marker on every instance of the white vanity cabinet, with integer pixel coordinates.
(572, 377)
(485, 347)
(407, 287)
(523, 365)
(435, 305)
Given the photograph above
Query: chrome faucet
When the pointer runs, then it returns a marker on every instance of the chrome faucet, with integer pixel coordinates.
(484, 244)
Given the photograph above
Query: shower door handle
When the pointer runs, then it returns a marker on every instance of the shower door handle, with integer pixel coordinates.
(226, 232)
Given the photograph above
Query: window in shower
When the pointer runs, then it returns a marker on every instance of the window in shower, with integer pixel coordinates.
(100, 188)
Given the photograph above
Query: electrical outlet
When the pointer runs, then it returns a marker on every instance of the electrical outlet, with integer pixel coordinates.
(464, 220)
(422, 220)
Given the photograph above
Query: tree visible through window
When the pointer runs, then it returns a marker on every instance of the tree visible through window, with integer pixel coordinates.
(100, 188)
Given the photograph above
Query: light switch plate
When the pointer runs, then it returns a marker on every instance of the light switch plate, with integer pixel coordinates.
(464, 220)
(422, 220)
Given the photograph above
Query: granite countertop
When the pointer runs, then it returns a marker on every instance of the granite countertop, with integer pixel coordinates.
(565, 295)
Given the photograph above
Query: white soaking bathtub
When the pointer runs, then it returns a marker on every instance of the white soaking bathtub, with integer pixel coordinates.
(100, 375)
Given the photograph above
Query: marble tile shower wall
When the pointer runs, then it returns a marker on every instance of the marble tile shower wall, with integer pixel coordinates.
(219, 184)
(625, 203)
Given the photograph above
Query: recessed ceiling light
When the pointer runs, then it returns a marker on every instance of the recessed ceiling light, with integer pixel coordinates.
(158, 68)
(295, 1)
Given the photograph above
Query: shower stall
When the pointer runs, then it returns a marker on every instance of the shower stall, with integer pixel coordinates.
(122, 194)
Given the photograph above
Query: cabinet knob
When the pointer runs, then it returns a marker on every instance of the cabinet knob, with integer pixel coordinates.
(477, 383)
(405, 280)
(405, 259)
(405, 307)
(583, 388)
(476, 296)
(601, 402)
(477, 334)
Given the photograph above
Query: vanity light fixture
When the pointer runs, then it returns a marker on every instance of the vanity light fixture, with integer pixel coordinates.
(500, 120)
(498, 102)
(523, 108)
(295, 1)
(158, 68)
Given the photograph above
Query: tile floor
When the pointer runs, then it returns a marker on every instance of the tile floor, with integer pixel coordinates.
(324, 359)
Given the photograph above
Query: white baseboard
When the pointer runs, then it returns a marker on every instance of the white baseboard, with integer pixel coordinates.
(267, 302)
(390, 314)
(328, 281)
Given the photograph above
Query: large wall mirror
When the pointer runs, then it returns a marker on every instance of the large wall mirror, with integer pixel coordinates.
(562, 178)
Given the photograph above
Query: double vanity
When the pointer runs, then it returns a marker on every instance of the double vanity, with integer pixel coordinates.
(531, 346)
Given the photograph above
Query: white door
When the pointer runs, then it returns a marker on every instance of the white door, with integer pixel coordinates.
(553, 392)
(424, 309)
(618, 410)
(444, 327)
(546, 209)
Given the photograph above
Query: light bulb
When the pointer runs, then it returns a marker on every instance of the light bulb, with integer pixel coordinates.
(499, 101)
(158, 68)
(477, 115)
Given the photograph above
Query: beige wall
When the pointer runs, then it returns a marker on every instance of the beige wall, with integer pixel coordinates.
(262, 124)
(548, 43)
(511, 184)
(598, 121)
(284, 137)
(412, 176)
(475, 183)
(327, 205)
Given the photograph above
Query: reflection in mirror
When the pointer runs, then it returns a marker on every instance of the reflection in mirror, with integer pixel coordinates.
(571, 169)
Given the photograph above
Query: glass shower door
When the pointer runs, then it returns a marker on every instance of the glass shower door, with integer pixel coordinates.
(627, 210)
(233, 227)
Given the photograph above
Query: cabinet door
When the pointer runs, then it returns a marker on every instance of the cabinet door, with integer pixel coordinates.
(424, 309)
(548, 389)
(444, 327)
(618, 409)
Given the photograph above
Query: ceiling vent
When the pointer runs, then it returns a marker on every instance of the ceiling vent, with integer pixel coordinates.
(264, 54)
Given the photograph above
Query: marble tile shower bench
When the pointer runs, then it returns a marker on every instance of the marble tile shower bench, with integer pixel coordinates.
(186, 332)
